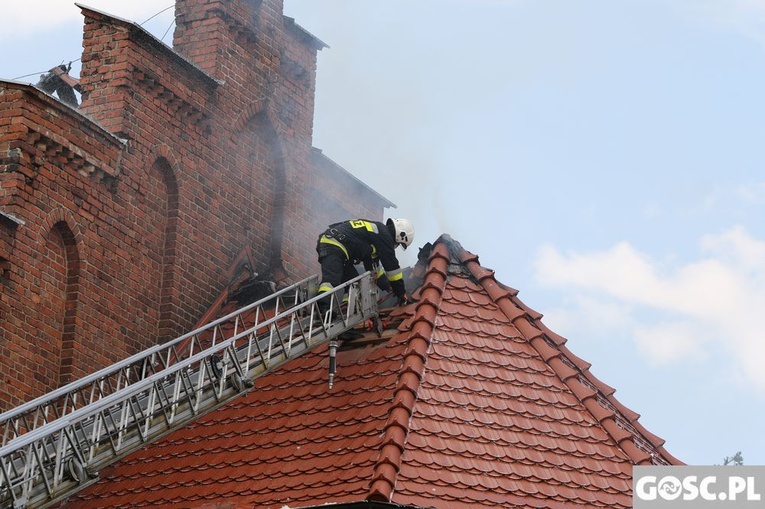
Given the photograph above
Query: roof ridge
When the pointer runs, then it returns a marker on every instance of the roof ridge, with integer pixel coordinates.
(619, 422)
(420, 330)
(629, 417)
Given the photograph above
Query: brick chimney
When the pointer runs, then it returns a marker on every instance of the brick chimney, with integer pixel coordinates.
(226, 37)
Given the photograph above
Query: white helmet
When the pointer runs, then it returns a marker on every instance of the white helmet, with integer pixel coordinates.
(404, 232)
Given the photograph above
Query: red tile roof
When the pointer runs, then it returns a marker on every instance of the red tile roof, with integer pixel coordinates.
(469, 402)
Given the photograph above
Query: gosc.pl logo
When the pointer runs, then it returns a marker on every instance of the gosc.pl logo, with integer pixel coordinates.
(698, 487)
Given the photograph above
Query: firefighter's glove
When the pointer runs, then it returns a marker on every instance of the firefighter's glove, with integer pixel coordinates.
(383, 284)
(405, 299)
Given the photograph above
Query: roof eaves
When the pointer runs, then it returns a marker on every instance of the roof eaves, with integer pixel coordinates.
(641, 447)
(321, 157)
(314, 41)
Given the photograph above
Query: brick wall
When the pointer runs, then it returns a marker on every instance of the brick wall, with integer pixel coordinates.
(62, 262)
(132, 209)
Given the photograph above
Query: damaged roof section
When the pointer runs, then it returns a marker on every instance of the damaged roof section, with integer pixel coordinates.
(505, 414)
(465, 400)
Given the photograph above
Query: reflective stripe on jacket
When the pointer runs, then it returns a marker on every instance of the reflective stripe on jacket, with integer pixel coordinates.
(367, 242)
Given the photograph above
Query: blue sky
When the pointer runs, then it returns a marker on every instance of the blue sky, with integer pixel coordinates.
(604, 158)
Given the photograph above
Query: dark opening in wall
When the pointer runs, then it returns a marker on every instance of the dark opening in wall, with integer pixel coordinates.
(8, 226)
(5, 270)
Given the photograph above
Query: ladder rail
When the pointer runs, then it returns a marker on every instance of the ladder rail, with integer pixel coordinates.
(148, 380)
(55, 457)
(119, 367)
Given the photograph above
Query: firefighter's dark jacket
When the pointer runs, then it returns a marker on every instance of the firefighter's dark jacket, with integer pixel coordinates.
(370, 243)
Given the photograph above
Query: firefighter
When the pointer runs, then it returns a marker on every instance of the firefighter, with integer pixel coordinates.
(345, 244)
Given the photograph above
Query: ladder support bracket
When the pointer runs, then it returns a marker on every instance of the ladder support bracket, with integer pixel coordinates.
(56, 444)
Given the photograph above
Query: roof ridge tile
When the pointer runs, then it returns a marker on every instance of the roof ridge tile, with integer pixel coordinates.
(552, 349)
(422, 324)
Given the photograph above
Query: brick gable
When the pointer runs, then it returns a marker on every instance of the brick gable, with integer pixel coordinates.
(176, 160)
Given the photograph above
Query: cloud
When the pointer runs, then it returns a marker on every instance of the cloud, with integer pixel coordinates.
(746, 17)
(582, 314)
(752, 193)
(665, 343)
(33, 17)
(636, 280)
(672, 313)
(739, 248)
(734, 201)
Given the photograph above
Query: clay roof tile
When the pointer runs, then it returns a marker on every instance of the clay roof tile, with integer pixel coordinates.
(470, 401)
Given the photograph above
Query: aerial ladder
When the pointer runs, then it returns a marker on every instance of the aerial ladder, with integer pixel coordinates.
(56, 444)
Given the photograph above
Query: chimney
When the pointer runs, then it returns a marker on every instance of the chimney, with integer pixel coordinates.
(212, 33)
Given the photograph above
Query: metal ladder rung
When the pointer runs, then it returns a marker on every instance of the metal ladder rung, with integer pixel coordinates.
(54, 445)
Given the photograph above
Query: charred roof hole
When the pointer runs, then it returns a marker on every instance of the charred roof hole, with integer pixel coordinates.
(252, 290)
(423, 255)
(457, 268)
(58, 81)
(417, 277)
(249, 285)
